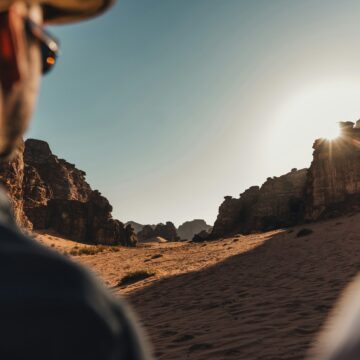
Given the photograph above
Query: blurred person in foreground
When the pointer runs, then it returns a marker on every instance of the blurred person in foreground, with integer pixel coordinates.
(340, 336)
(50, 308)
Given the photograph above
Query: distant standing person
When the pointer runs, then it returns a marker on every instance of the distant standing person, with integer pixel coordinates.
(50, 308)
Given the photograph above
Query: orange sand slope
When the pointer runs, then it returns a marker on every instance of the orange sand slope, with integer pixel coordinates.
(261, 296)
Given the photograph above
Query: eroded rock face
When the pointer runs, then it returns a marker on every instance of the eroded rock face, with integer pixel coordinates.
(279, 202)
(63, 179)
(188, 229)
(50, 193)
(166, 231)
(12, 177)
(334, 176)
(330, 188)
(202, 236)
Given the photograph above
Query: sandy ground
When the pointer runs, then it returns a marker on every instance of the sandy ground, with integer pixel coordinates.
(262, 296)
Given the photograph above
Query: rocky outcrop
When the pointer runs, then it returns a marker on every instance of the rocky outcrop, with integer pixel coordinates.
(334, 176)
(202, 236)
(50, 193)
(279, 202)
(329, 188)
(166, 231)
(12, 178)
(64, 180)
(188, 229)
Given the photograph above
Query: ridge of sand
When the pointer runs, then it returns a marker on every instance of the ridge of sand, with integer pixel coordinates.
(262, 296)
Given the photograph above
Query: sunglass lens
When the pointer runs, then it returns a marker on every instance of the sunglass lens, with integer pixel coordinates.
(48, 59)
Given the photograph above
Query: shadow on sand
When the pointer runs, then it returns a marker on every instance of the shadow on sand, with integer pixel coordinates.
(268, 303)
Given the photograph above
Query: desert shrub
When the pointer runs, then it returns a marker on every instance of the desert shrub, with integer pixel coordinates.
(135, 276)
(156, 256)
(304, 232)
(91, 250)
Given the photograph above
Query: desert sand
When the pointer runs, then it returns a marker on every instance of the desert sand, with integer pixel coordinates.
(261, 296)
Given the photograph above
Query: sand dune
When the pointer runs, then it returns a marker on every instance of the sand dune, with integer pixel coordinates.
(262, 296)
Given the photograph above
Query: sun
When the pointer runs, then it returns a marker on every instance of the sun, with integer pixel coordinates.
(331, 131)
(311, 112)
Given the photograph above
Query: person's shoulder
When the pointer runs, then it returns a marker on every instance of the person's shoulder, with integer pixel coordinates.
(26, 262)
(45, 280)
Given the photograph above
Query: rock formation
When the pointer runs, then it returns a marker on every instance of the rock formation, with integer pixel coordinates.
(279, 202)
(50, 193)
(12, 177)
(188, 229)
(329, 188)
(166, 231)
(334, 176)
(201, 236)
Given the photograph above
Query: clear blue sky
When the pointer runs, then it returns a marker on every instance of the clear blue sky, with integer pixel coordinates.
(169, 105)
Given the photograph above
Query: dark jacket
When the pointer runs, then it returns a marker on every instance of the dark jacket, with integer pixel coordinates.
(51, 308)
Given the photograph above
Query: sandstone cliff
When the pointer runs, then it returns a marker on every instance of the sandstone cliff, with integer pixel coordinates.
(334, 176)
(279, 202)
(330, 187)
(12, 175)
(50, 193)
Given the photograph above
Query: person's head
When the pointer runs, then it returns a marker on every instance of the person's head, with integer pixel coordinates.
(26, 53)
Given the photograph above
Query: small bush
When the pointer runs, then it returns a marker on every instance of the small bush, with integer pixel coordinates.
(91, 250)
(304, 232)
(156, 256)
(135, 276)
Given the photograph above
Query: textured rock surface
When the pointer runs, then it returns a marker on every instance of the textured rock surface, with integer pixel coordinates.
(201, 236)
(63, 179)
(334, 176)
(331, 187)
(279, 202)
(166, 231)
(50, 193)
(12, 177)
(188, 229)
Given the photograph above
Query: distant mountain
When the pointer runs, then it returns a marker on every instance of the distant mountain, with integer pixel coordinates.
(136, 226)
(188, 229)
(166, 231)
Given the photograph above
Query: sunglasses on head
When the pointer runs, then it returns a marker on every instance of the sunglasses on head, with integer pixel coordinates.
(49, 45)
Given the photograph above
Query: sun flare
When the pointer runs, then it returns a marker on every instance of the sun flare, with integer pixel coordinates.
(331, 131)
(310, 113)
